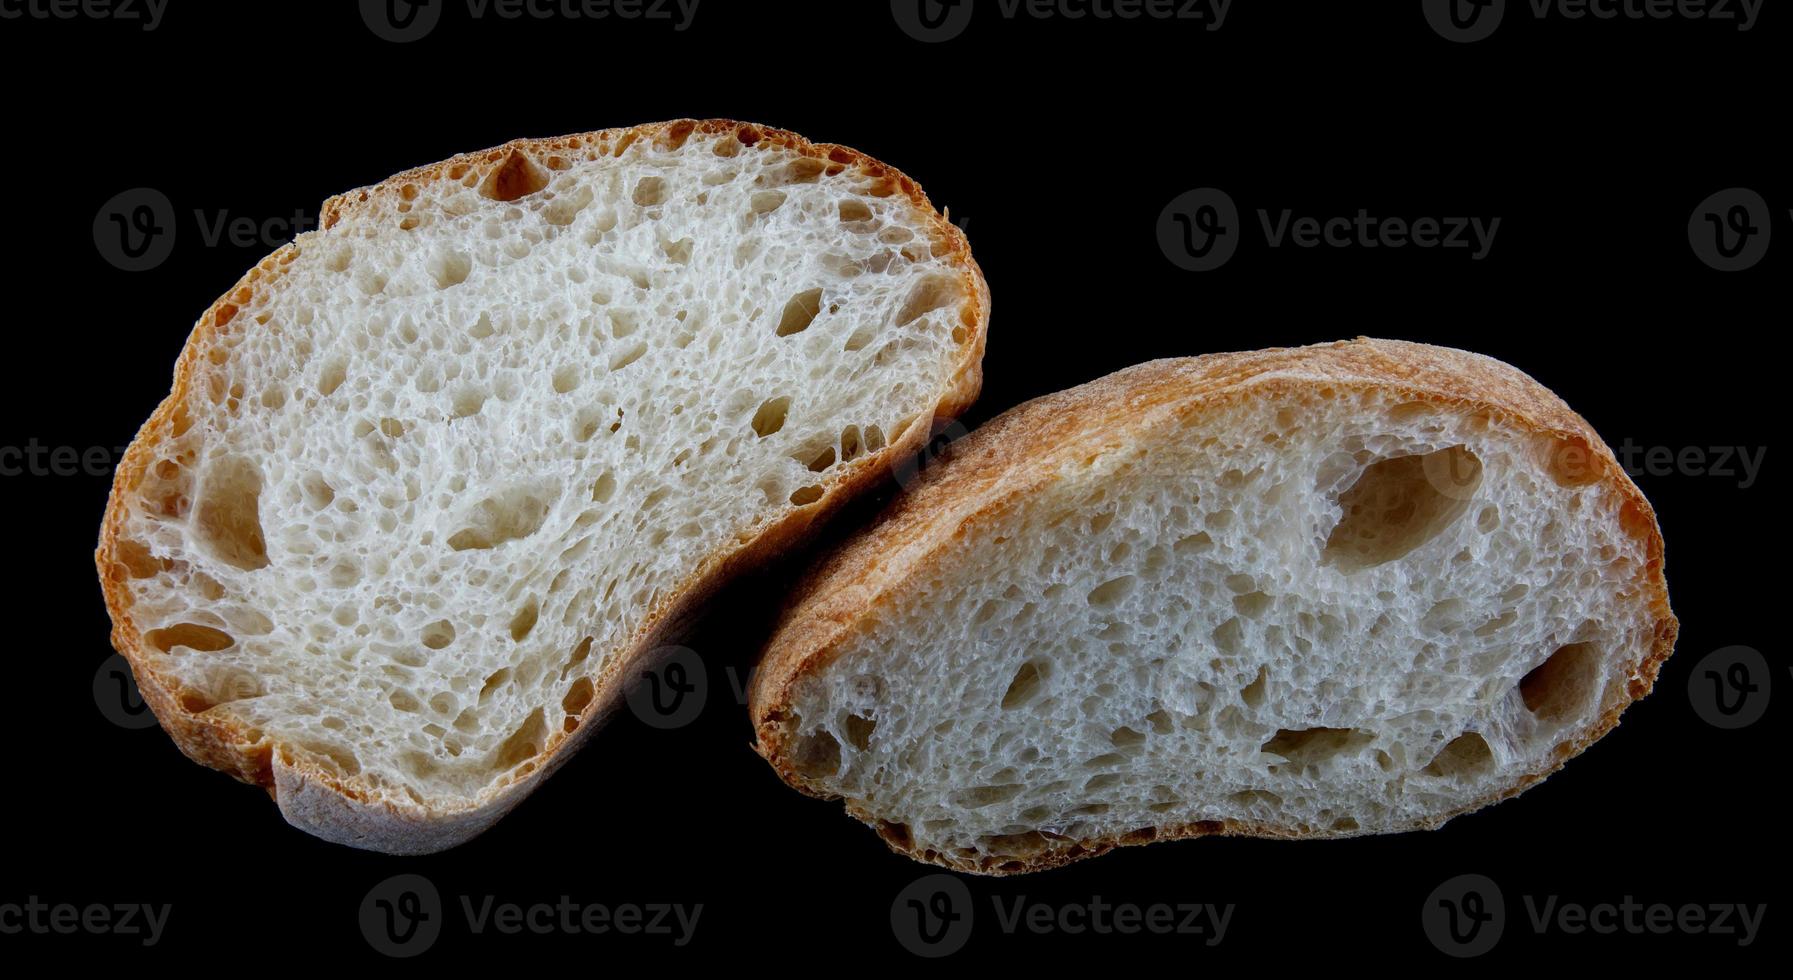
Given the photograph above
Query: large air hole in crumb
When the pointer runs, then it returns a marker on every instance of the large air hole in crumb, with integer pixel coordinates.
(859, 731)
(516, 177)
(1572, 462)
(566, 378)
(929, 295)
(816, 754)
(1467, 755)
(230, 686)
(603, 489)
(1229, 637)
(1252, 605)
(628, 356)
(331, 376)
(1028, 683)
(468, 401)
(333, 756)
(497, 680)
(227, 521)
(770, 416)
(564, 209)
(1126, 738)
(766, 202)
(510, 516)
(1193, 544)
(804, 170)
(1254, 797)
(1024, 846)
(1561, 687)
(580, 652)
(450, 268)
(897, 834)
(1399, 504)
(1253, 694)
(978, 797)
(800, 312)
(139, 563)
(525, 620)
(860, 339)
(438, 634)
(523, 744)
(1314, 746)
(578, 697)
(1112, 591)
(649, 191)
(190, 635)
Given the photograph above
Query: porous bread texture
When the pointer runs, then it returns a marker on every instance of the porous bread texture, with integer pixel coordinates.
(432, 476)
(1297, 604)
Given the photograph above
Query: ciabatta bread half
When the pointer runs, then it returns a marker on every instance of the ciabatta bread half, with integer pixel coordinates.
(432, 478)
(1338, 590)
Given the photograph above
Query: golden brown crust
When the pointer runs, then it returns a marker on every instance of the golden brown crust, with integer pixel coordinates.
(311, 796)
(1017, 453)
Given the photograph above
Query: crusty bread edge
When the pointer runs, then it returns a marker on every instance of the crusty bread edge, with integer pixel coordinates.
(1011, 456)
(312, 797)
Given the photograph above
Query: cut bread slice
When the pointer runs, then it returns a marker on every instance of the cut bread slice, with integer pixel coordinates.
(432, 478)
(1339, 590)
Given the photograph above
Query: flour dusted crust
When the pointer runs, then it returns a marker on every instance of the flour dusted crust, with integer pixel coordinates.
(313, 797)
(1018, 455)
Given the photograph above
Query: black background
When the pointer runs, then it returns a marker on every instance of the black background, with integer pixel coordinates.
(1056, 143)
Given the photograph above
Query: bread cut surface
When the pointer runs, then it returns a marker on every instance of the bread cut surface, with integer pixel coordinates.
(432, 477)
(1339, 590)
